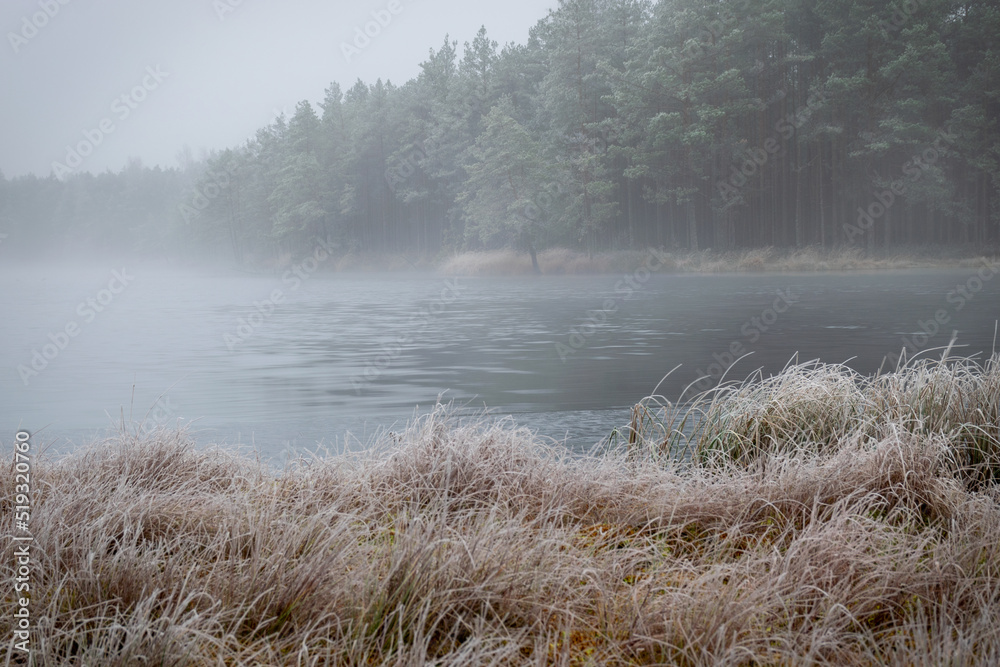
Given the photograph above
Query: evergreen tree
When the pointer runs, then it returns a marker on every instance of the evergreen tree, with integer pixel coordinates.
(619, 123)
(505, 166)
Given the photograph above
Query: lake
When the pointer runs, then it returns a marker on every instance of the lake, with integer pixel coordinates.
(282, 363)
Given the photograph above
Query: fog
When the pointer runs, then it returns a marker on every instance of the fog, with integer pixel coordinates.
(290, 365)
(228, 68)
(279, 223)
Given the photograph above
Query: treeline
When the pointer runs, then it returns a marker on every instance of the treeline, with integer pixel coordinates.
(619, 124)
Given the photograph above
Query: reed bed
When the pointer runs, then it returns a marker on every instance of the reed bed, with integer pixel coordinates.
(840, 528)
(565, 261)
(558, 261)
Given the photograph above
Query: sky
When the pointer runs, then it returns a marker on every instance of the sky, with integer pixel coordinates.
(85, 86)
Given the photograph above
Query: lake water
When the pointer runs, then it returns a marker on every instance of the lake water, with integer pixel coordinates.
(565, 356)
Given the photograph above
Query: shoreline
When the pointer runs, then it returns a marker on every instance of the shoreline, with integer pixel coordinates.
(563, 262)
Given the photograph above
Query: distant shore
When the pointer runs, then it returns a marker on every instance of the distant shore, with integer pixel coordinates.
(564, 261)
(559, 261)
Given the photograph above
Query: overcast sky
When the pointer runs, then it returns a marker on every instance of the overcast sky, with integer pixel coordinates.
(202, 73)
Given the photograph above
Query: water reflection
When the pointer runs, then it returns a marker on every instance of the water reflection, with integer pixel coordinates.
(294, 380)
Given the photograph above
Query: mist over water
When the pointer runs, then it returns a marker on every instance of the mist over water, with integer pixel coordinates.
(565, 356)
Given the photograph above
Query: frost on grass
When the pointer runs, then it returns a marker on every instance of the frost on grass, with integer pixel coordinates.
(856, 541)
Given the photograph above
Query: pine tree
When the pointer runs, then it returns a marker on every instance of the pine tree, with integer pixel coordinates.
(505, 167)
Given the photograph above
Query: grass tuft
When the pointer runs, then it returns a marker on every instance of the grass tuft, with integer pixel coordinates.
(816, 408)
(816, 517)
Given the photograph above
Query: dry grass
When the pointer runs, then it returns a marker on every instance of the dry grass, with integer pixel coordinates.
(554, 261)
(562, 261)
(459, 544)
(816, 407)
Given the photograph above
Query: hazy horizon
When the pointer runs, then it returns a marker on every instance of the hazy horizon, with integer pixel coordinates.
(212, 72)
